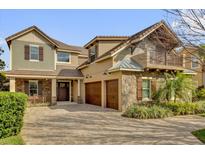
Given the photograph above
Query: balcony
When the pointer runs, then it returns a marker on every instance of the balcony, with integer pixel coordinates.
(165, 60)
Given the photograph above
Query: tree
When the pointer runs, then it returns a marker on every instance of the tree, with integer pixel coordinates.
(2, 66)
(179, 86)
(189, 25)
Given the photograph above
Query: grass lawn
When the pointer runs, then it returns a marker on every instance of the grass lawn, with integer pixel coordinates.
(203, 115)
(13, 140)
(200, 134)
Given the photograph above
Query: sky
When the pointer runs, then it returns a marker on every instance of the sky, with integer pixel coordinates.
(75, 27)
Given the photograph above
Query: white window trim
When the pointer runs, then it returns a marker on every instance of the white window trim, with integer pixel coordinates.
(195, 62)
(33, 60)
(61, 62)
(29, 86)
(150, 90)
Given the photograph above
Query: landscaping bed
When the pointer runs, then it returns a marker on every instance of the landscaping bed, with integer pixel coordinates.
(163, 110)
(13, 140)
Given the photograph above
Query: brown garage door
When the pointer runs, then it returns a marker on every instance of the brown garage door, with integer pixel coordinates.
(93, 93)
(112, 94)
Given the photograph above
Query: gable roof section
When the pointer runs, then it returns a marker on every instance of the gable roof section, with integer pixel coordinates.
(137, 36)
(55, 42)
(106, 38)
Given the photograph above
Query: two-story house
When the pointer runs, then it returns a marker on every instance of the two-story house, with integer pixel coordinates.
(43, 67)
(119, 70)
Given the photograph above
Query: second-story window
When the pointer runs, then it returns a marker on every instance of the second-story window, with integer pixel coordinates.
(63, 57)
(194, 62)
(34, 52)
(92, 54)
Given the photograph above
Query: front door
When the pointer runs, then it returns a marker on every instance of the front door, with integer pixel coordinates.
(63, 91)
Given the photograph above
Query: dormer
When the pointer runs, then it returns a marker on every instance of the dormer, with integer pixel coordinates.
(101, 44)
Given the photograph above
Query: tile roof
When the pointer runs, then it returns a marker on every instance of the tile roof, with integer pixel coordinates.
(137, 36)
(55, 42)
(98, 38)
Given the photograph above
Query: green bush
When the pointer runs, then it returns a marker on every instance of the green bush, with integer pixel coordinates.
(200, 94)
(144, 112)
(12, 106)
(183, 108)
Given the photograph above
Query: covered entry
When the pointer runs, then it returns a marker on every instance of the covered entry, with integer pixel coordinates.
(63, 91)
(93, 93)
(112, 94)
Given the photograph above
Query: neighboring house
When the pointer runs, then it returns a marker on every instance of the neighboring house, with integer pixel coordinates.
(193, 64)
(118, 71)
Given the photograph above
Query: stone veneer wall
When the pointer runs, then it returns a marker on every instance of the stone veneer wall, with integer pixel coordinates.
(129, 86)
(129, 89)
(46, 91)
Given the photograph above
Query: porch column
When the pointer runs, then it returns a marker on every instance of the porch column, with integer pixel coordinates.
(53, 93)
(79, 95)
(12, 84)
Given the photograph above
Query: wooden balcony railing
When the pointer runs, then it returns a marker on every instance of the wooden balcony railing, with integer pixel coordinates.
(163, 58)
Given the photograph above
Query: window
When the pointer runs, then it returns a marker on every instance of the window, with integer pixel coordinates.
(33, 88)
(34, 52)
(63, 57)
(194, 62)
(146, 89)
(92, 54)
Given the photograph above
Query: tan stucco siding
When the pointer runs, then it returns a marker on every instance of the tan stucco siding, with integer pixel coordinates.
(75, 90)
(81, 60)
(104, 46)
(97, 68)
(18, 61)
(33, 37)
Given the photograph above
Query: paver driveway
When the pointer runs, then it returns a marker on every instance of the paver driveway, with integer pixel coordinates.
(87, 124)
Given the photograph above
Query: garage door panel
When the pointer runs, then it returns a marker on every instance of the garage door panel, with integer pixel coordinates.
(112, 94)
(93, 93)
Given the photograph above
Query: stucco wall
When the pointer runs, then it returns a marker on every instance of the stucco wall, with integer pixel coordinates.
(104, 46)
(18, 61)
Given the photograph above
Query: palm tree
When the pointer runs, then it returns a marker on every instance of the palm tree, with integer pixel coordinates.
(179, 86)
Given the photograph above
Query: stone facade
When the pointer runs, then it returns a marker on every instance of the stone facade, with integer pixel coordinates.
(129, 89)
(45, 97)
(129, 86)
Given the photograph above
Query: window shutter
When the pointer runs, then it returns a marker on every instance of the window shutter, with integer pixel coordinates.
(139, 88)
(26, 87)
(41, 53)
(40, 86)
(153, 86)
(26, 52)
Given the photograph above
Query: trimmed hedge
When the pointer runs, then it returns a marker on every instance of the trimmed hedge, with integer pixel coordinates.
(144, 112)
(183, 108)
(12, 106)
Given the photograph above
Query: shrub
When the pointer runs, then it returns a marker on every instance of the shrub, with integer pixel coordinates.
(12, 106)
(183, 108)
(144, 112)
(200, 94)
